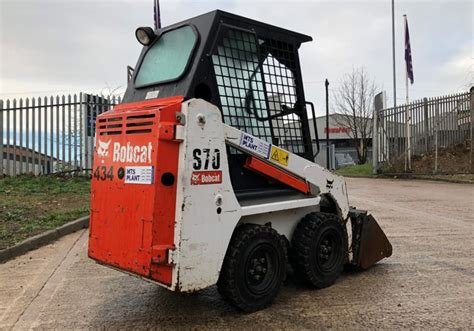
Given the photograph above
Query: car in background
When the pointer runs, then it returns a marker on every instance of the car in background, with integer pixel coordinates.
(344, 160)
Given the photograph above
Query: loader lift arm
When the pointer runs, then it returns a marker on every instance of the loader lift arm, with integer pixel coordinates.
(368, 243)
(320, 181)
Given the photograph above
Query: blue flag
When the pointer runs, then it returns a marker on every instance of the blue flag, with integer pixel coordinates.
(408, 60)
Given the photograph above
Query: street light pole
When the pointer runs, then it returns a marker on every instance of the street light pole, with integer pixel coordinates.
(157, 14)
(393, 56)
(326, 83)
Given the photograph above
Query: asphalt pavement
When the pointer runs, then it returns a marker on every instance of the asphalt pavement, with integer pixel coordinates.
(427, 283)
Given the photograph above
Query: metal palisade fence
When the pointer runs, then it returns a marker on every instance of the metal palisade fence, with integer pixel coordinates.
(433, 123)
(50, 134)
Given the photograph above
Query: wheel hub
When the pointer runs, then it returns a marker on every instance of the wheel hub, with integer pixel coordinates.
(258, 268)
(327, 250)
(259, 272)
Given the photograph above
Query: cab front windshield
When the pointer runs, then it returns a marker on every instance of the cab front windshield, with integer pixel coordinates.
(167, 59)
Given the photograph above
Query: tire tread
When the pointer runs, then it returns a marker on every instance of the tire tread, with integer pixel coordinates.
(226, 285)
(301, 248)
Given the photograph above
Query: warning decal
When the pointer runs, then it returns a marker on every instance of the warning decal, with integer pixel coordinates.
(279, 155)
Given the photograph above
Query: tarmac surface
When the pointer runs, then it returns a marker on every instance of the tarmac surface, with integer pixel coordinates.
(427, 283)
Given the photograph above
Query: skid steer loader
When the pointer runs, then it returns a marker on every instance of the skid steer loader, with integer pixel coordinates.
(205, 173)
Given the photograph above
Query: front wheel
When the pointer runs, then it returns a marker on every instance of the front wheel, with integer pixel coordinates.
(254, 267)
(319, 249)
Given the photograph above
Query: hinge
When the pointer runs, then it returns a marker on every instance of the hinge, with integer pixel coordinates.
(179, 133)
(181, 118)
(162, 254)
(166, 131)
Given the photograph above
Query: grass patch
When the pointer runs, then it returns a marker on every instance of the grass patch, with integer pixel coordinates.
(30, 205)
(357, 170)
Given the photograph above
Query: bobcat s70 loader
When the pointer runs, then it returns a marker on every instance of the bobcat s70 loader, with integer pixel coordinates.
(205, 173)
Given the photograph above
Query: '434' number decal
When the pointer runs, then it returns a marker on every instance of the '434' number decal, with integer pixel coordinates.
(103, 173)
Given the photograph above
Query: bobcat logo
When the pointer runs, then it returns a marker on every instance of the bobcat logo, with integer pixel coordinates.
(329, 183)
(103, 149)
(195, 178)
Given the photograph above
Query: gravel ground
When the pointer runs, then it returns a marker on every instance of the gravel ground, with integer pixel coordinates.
(427, 283)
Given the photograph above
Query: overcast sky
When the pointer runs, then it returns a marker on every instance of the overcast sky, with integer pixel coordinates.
(62, 46)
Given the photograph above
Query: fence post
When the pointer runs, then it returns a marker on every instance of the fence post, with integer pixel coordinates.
(51, 135)
(70, 130)
(14, 137)
(379, 105)
(84, 137)
(436, 135)
(33, 136)
(8, 168)
(426, 127)
(92, 111)
(57, 111)
(27, 136)
(408, 137)
(20, 143)
(472, 125)
(2, 172)
(375, 141)
(63, 133)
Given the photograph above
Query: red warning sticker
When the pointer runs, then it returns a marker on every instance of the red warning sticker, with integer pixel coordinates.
(206, 177)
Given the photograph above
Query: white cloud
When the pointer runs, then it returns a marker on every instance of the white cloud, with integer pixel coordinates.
(62, 45)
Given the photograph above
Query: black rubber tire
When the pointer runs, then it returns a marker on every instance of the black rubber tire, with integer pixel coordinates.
(251, 242)
(319, 249)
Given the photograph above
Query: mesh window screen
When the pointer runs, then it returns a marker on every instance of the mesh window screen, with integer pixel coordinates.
(256, 82)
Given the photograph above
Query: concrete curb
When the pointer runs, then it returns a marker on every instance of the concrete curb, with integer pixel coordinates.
(43, 239)
(427, 177)
(415, 177)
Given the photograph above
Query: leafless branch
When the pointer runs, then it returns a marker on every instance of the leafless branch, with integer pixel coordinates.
(353, 106)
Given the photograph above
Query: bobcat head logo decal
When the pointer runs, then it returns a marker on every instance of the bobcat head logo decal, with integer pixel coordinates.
(329, 183)
(103, 149)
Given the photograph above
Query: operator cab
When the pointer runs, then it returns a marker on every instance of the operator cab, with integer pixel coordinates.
(248, 69)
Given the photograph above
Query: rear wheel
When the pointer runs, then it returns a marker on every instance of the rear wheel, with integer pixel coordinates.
(254, 267)
(319, 249)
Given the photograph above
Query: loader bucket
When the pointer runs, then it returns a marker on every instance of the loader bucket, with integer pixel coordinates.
(369, 242)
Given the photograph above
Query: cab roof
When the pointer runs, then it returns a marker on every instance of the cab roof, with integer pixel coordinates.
(219, 16)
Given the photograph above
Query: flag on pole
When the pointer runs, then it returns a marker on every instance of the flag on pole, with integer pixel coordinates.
(408, 60)
(156, 14)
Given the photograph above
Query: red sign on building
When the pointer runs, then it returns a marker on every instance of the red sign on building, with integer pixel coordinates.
(337, 130)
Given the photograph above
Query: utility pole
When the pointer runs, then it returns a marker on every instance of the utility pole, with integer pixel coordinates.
(326, 83)
(394, 73)
(393, 56)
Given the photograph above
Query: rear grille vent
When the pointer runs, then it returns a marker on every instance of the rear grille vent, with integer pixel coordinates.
(137, 124)
(133, 124)
(110, 126)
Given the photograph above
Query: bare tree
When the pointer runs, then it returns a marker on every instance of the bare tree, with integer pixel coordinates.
(353, 106)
